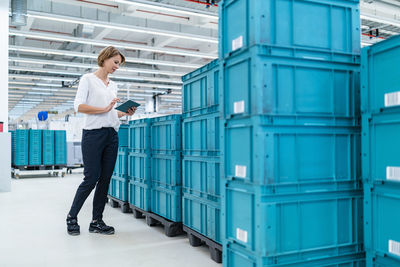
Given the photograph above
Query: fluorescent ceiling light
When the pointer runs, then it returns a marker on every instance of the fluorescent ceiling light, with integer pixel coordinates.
(34, 88)
(169, 8)
(55, 71)
(26, 83)
(172, 96)
(30, 100)
(34, 84)
(121, 27)
(30, 103)
(366, 44)
(171, 100)
(91, 66)
(145, 95)
(140, 90)
(153, 85)
(35, 77)
(59, 37)
(66, 72)
(94, 56)
(39, 93)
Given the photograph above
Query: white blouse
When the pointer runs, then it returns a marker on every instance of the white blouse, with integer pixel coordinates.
(92, 91)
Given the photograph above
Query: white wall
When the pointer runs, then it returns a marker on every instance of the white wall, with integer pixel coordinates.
(5, 138)
(4, 6)
(5, 162)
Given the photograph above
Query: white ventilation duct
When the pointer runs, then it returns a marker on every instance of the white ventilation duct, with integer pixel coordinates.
(19, 11)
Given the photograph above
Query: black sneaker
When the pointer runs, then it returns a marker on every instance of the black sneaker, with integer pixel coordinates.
(100, 227)
(73, 226)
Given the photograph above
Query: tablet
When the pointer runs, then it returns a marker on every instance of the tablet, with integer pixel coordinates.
(127, 105)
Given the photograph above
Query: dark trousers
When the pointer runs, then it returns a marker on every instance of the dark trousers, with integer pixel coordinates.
(99, 151)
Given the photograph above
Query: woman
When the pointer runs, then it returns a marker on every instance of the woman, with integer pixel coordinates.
(96, 97)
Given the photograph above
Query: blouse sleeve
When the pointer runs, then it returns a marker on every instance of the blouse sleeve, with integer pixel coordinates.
(82, 93)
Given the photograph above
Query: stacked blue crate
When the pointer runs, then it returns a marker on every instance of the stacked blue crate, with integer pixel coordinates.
(139, 190)
(35, 147)
(48, 147)
(60, 148)
(290, 133)
(123, 135)
(119, 182)
(296, 28)
(201, 203)
(380, 106)
(166, 177)
(20, 147)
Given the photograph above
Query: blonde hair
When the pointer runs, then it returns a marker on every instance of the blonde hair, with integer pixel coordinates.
(109, 52)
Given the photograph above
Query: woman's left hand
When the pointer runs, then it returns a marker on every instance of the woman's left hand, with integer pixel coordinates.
(131, 111)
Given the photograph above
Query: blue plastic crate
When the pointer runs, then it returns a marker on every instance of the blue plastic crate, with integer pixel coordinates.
(237, 256)
(254, 83)
(20, 147)
(201, 177)
(380, 146)
(382, 233)
(139, 135)
(166, 201)
(60, 139)
(139, 167)
(380, 78)
(35, 147)
(123, 135)
(318, 29)
(291, 229)
(166, 134)
(121, 164)
(291, 157)
(166, 169)
(202, 216)
(200, 89)
(140, 195)
(119, 187)
(201, 135)
(48, 147)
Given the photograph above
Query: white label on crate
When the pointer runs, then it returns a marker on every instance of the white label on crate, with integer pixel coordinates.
(392, 99)
(238, 107)
(237, 43)
(394, 247)
(241, 235)
(240, 171)
(393, 173)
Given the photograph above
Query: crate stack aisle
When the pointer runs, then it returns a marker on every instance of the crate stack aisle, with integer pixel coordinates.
(38, 152)
(139, 189)
(166, 177)
(380, 106)
(118, 189)
(201, 196)
(291, 193)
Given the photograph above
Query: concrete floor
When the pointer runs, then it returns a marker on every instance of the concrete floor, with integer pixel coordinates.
(33, 232)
